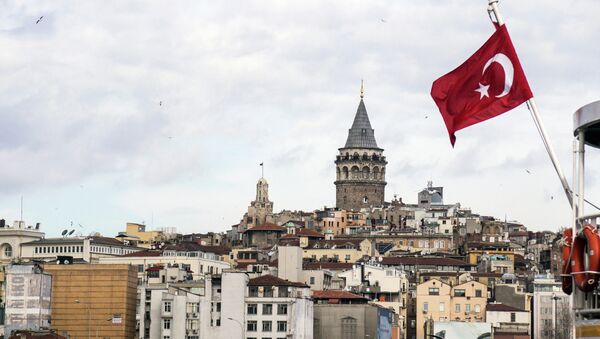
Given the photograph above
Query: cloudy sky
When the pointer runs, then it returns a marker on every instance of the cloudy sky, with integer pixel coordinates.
(85, 140)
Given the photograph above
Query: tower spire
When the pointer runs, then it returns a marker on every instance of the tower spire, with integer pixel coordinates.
(362, 89)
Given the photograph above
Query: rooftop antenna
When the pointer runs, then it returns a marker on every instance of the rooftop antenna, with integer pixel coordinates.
(71, 232)
(262, 169)
(21, 208)
(64, 232)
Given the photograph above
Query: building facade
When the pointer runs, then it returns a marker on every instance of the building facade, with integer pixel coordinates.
(91, 300)
(360, 166)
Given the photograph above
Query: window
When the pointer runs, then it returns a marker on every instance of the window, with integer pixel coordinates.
(478, 293)
(267, 309)
(468, 308)
(283, 292)
(434, 291)
(513, 317)
(251, 327)
(167, 337)
(459, 293)
(477, 308)
(218, 307)
(312, 280)
(347, 257)
(253, 291)
(267, 326)
(252, 308)
(425, 306)
(349, 328)
(268, 292)
(140, 268)
(442, 307)
(281, 309)
(167, 306)
(457, 308)
(167, 324)
(282, 326)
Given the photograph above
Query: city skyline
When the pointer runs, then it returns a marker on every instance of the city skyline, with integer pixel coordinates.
(163, 114)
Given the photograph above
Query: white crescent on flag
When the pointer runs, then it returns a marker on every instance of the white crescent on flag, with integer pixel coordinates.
(509, 71)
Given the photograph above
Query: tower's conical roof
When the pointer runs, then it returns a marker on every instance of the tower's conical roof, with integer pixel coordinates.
(361, 135)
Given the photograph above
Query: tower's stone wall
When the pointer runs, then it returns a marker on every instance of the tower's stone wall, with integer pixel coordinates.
(360, 178)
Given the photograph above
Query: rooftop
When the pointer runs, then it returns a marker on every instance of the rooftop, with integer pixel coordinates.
(333, 294)
(502, 308)
(437, 261)
(361, 135)
(267, 227)
(271, 280)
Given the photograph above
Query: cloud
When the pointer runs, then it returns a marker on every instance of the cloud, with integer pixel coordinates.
(246, 82)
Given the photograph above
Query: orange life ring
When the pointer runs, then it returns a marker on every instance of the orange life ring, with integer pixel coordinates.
(567, 280)
(586, 279)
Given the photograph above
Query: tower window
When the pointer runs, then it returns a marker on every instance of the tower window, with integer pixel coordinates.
(365, 199)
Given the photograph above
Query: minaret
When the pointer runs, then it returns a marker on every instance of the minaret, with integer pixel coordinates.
(360, 165)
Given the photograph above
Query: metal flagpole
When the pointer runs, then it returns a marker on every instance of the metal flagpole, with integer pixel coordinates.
(493, 4)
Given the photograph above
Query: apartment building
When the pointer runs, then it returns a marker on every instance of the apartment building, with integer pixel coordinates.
(438, 301)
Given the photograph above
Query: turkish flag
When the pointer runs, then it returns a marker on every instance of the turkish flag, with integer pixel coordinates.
(488, 84)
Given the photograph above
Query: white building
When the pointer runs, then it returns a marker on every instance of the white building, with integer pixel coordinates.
(197, 262)
(27, 303)
(11, 238)
(227, 306)
(508, 319)
(550, 306)
(89, 249)
(386, 286)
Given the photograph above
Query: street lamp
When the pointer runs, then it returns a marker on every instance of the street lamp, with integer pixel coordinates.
(87, 305)
(239, 323)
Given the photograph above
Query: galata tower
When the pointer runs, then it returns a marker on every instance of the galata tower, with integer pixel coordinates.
(360, 166)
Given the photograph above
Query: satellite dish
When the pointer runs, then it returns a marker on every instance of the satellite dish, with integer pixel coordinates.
(72, 231)
(380, 259)
(64, 232)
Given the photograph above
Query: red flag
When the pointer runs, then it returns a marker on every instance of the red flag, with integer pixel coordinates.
(488, 84)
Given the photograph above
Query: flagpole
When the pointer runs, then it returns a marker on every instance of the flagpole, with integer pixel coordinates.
(493, 4)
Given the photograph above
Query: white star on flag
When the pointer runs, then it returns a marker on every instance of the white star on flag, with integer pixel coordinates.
(483, 91)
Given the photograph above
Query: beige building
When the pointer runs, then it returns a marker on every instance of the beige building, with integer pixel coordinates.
(439, 301)
(341, 222)
(91, 300)
(136, 233)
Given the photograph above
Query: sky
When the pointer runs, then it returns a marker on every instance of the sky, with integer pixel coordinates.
(160, 112)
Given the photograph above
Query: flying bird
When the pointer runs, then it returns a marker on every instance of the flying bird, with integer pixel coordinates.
(426, 116)
(38, 20)
(383, 20)
(160, 103)
(527, 171)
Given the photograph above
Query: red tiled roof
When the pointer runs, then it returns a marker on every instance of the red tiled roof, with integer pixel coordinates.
(220, 250)
(271, 280)
(331, 294)
(307, 232)
(502, 308)
(267, 227)
(423, 261)
(144, 253)
(326, 265)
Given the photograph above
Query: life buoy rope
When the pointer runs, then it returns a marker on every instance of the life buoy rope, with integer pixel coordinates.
(567, 280)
